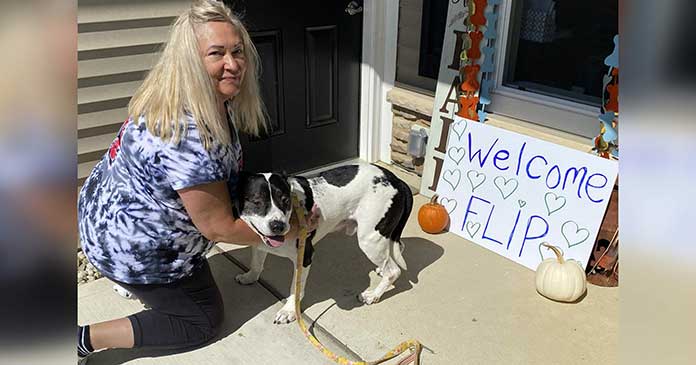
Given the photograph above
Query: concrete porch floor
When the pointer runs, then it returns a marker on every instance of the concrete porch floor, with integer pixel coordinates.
(463, 302)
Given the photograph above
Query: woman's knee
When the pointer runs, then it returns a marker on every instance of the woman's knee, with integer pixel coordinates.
(215, 315)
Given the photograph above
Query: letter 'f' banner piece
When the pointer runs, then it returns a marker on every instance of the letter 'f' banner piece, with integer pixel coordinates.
(463, 87)
(510, 192)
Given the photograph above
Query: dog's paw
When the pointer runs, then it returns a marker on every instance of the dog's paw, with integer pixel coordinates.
(368, 297)
(246, 279)
(284, 316)
(123, 292)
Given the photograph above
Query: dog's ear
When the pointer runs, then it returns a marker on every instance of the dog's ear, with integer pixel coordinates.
(242, 181)
(296, 188)
(300, 186)
(237, 192)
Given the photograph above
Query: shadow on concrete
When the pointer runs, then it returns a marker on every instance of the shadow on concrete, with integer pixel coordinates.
(340, 270)
(242, 303)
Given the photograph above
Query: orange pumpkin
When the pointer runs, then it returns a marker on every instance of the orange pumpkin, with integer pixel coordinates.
(433, 217)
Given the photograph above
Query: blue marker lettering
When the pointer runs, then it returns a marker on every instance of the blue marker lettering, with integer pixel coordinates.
(526, 232)
(468, 208)
(588, 185)
(478, 153)
(519, 159)
(496, 158)
(530, 163)
(485, 229)
(558, 172)
(575, 176)
(512, 232)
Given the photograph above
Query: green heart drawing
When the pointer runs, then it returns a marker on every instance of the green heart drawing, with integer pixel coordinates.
(456, 154)
(505, 187)
(542, 255)
(459, 128)
(521, 202)
(471, 225)
(475, 178)
(577, 237)
(452, 177)
(554, 205)
(449, 204)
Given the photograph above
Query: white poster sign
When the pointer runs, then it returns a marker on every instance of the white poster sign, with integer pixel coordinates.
(509, 193)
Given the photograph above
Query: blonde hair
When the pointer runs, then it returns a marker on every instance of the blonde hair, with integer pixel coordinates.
(179, 83)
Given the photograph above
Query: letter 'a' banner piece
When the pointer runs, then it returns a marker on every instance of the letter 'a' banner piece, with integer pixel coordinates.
(509, 193)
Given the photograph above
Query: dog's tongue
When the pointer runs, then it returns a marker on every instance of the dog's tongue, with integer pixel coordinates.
(276, 241)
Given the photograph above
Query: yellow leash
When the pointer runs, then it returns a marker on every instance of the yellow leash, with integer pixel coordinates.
(412, 345)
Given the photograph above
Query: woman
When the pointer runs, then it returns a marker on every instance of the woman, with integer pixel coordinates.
(158, 200)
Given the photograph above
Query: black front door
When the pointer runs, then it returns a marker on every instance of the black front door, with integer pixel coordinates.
(310, 54)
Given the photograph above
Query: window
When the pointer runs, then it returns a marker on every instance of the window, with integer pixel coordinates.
(553, 61)
(561, 46)
(549, 56)
(419, 43)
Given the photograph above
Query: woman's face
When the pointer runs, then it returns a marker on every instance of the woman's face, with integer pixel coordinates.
(222, 51)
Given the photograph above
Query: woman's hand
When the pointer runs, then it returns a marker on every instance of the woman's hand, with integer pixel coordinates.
(210, 209)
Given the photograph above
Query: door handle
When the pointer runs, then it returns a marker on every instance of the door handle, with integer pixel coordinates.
(353, 8)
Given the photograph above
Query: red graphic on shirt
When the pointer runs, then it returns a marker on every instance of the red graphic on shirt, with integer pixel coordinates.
(116, 144)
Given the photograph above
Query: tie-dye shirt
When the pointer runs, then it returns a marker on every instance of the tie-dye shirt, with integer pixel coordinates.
(132, 223)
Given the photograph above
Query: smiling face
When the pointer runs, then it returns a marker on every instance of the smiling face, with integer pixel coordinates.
(264, 202)
(222, 52)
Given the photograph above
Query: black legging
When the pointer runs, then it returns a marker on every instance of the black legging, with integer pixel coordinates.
(183, 314)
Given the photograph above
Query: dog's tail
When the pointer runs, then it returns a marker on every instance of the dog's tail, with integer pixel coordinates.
(398, 246)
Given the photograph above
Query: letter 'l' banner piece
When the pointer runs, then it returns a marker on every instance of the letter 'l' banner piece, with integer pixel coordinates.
(515, 192)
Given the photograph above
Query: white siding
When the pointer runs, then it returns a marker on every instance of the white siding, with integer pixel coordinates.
(117, 45)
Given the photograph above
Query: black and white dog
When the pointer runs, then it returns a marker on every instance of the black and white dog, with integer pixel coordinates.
(364, 199)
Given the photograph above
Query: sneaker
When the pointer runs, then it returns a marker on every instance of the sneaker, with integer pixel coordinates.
(123, 292)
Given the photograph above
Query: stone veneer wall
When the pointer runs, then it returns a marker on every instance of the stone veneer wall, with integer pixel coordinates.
(408, 109)
(401, 126)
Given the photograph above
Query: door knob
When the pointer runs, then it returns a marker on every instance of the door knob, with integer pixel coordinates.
(353, 8)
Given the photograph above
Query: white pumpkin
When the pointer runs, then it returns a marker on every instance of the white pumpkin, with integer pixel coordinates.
(559, 279)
